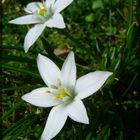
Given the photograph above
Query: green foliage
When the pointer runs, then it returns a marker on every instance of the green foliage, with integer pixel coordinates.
(104, 34)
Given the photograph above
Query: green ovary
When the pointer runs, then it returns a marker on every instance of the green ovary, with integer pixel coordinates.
(61, 94)
(42, 11)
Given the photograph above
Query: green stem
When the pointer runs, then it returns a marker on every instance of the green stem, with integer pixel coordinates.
(132, 81)
(130, 13)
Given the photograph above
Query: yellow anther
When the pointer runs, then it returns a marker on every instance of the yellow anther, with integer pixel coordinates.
(42, 11)
(54, 87)
(59, 82)
(47, 91)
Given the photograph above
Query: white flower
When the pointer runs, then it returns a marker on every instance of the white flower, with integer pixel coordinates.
(46, 14)
(64, 92)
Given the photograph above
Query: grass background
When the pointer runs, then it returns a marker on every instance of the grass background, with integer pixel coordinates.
(104, 34)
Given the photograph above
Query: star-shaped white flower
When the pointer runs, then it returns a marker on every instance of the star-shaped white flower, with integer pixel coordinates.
(46, 14)
(64, 92)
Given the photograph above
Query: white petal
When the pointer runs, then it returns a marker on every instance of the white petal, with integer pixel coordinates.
(49, 3)
(28, 19)
(56, 21)
(55, 122)
(61, 4)
(69, 70)
(33, 7)
(49, 71)
(33, 35)
(90, 83)
(40, 97)
(77, 111)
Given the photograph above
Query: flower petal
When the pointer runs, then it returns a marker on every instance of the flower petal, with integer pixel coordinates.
(49, 3)
(41, 97)
(61, 4)
(33, 35)
(77, 111)
(56, 21)
(55, 122)
(69, 71)
(49, 71)
(33, 7)
(28, 19)
(90, 83)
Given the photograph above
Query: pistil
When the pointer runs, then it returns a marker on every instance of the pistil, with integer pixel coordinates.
(61, 94)
(42, 11)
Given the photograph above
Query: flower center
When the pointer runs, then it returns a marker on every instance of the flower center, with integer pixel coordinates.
(42, 11)
(61, 94)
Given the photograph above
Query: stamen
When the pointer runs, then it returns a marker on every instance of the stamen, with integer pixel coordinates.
(37, 5)
(43, 3)
(59, 82)
(47, 91)
(42, 10)
(54, 87)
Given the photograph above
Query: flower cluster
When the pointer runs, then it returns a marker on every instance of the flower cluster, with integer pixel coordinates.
(63, 91)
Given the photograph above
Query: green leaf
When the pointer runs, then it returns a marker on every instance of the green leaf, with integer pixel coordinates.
(90, 18)
(89, 136)
(104, 133)
(18, 106)
(6, 57)
(19, 127)
(130, 13)
(22, 70)
(97, 4)
(19, 88)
